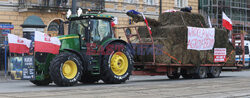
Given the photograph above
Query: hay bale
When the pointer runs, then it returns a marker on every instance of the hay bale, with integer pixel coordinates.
(182, 18)
(173, 40)
(171, 34)
(162, 45)
(203, 56)
(139, 18)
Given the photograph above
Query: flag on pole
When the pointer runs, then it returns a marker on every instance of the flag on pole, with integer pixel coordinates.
(45, 43)
(18, 44)
(226, 22)
(209, 22)
(145, 20)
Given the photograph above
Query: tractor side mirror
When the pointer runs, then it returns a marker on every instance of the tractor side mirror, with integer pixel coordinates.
(61, 28)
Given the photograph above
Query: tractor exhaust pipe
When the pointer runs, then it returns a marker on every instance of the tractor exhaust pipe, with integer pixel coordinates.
(73, 7)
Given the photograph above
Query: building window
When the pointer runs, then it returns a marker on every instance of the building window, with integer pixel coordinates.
(181, 3)
(150, 2)
(110, 0)
(130, 1)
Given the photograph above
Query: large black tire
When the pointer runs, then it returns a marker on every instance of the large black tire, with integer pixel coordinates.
(57, 65)
(44, 82)
(214, 72)
(185, 74)
(107, 74)
(201, 72)
(174, 76)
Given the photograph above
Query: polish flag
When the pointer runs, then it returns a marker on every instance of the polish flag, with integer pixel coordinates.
(18, 44)
(227, 23)
(146, 21)
(45, 43)
(209, 22)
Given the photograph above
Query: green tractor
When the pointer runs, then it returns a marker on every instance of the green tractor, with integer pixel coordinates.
(89, 53)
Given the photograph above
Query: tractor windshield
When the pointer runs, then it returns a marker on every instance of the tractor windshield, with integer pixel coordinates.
(99, 30)
(79, 27)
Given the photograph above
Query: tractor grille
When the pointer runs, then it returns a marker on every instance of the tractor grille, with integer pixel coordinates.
(41, 57)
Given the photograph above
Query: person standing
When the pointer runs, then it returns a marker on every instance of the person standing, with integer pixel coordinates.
(58, 2)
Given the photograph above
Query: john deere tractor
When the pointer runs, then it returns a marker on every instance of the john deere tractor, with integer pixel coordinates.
(89, 53)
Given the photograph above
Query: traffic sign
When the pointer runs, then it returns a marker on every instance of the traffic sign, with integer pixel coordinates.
(5, 32)
(6, 26)
(5, 42)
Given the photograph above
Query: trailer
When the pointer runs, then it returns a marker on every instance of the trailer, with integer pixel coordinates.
(175, 70)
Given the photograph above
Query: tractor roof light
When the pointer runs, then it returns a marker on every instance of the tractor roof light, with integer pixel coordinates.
(68, 13)
(79, 12)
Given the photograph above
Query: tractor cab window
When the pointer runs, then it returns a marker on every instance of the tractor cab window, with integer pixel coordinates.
(99, 30)
(79, 27)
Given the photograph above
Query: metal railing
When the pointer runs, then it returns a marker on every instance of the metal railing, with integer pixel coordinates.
(85, 4)
(42, 3)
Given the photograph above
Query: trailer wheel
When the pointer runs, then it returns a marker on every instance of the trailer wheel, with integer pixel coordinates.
(214, 72)
(201, 72)
(174, 76)
(44, 82)
(117, 66)
(65, 69)
(185, 74)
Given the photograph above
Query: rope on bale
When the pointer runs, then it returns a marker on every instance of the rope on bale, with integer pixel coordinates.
(178, 61)
(228, 57)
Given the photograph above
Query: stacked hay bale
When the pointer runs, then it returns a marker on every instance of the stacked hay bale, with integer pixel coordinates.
(171, 35)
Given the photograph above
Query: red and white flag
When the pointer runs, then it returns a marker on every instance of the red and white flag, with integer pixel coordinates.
(146, 21)
(45, 43)
(18, 44)
(226, 22)
(209, 22)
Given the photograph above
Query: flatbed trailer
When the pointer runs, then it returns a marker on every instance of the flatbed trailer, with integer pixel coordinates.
(173, 71)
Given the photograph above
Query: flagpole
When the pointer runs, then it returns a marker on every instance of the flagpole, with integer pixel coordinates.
(5, 58)
(150, 33)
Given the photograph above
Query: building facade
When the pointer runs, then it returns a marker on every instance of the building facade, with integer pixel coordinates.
(52, 13)
(237, 10)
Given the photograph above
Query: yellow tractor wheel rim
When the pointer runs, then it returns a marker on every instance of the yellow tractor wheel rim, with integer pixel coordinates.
(69, 69)
(119, 63)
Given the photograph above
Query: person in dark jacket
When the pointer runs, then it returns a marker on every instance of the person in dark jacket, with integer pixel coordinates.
(186, 9)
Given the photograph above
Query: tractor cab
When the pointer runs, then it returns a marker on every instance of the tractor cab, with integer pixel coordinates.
(91, 28)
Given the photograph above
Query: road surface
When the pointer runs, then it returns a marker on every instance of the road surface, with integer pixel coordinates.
(230, 84)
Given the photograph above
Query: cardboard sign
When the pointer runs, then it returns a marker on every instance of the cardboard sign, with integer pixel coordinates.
(22, 68)
(200, 38)
(220, 54)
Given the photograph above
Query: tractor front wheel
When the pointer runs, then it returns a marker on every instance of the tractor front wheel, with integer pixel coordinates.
(66, 69)
(117, 65)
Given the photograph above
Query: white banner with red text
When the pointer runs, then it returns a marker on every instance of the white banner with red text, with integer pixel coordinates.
(200, 38)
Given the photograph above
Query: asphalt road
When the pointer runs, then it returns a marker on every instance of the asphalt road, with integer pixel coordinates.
(230, 84)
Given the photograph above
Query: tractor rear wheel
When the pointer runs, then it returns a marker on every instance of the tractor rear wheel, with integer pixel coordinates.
(65, 69)
(44, 82)
(117, 66)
